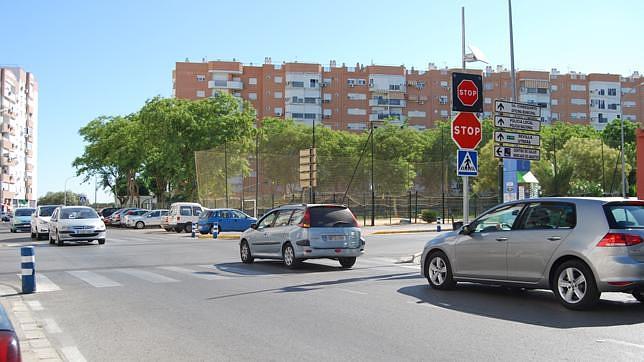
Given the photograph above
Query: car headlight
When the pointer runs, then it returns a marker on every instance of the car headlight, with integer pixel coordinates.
(65, 228)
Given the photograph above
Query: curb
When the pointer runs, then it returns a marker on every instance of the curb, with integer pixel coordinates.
(225, 237)
(387, 232)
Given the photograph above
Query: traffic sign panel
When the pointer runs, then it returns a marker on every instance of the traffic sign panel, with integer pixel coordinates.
(467, 92)
(517, 152)
(524, 124)
(468, 163)
(522, 109)
(466, 130)
(517, 138)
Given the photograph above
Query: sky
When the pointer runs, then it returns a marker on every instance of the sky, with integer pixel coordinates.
(94, 58)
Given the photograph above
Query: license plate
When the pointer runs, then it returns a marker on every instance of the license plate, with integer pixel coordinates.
(335, 237)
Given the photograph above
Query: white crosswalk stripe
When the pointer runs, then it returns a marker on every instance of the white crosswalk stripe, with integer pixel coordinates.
(93, 279)
(194, 273)
(147, 276)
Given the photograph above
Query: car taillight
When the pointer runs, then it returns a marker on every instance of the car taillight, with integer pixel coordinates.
(9, 347)
(355, 221)
(306, 220)
(619, 239)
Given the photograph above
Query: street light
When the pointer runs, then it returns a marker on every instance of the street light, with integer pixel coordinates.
(65, 197)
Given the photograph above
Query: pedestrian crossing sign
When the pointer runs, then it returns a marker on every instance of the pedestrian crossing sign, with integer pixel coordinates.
(468, 163)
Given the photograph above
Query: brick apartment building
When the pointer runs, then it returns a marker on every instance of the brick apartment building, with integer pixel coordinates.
(18, 157)
(349, 97)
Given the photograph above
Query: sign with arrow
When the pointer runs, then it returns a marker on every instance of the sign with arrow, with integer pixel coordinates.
(468, 163)
(523, 124)
(520, 153)
(517, 138)
(520, 109)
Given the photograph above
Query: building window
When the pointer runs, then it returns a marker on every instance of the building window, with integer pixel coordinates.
(252, 96)
(278, 95)
(554, 88)
(356, 111)
(578, 101)
(598, 103)
(613, 106)
(201, 94)
(252, 81)
(278, 111)
(443, 113)
(361, 82)
(487, 100)
(444, 83)
(630, 117)
(201, 78)
(628, 104)
(416, 114)
(554, 115)
(327, 97)
(309, 116)
(443, 100)
(297, 84)
(554, 102)
(578, 87)
(327, 112)
(488, 86)
(356, 96)
(629, 91)
(278, 79)
(297, 115)
(310, 100)
(313, 83)
(612, 91)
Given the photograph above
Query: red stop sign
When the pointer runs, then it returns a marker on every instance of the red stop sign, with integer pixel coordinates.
(466, 130)
(467, 92)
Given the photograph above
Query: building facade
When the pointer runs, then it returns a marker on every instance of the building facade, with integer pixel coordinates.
(350, 97)
(19, 115)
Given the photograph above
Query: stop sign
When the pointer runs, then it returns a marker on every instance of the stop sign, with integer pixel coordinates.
(467, 92)
(466, 130)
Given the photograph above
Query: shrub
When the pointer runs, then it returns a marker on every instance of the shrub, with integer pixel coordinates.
(429, 215)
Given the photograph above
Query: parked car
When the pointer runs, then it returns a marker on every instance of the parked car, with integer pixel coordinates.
(116, 219)
(9, 344)
(106, 212)
(130, 214)
(149, 218)
(181, 216)
(40, 221)
(5, 216)
(577, 247)
(76, 223)
(21, 220)
(294, 233)
(226, 219)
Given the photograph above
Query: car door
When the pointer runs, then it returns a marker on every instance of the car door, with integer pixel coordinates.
(542, 228)
(277, 234)
(482, 253)
(258, 238)
(154, 218)
(239, 220)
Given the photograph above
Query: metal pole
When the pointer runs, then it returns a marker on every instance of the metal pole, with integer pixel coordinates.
(554, 152)
(603, 172)
(622, 156)
(466, 195)
(463, 35)
(373, 186)
(226, 169)
(256, 167)
(312, 195)
(443, 173)
(514, 87)
(416, 208)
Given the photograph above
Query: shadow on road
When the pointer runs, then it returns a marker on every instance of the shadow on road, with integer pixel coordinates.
(537, 307)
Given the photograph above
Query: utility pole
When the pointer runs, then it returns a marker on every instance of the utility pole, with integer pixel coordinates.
(443, 175)
(622, 156)
(466, 186)
(256, 166)
(373, 186)
(226, 169)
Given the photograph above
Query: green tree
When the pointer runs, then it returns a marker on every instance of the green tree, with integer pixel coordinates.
(58, 198)
(487, 181)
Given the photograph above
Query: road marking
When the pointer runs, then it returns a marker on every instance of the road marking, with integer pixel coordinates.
(72, 354)
(35, 305)
(51, 326)
(352, 291)
(94, 279)
(623, 343)
(44, 284)
(147, 276)
(192, 272)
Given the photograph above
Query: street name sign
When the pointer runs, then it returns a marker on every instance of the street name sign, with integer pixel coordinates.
(516, 123)
(520, 153)
(467, 92)
(517, 138)
(468, 163)
(521, 109)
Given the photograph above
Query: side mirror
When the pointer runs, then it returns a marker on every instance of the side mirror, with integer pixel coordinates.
(467, 230)
(253, 226)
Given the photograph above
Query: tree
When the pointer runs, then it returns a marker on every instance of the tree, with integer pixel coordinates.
(487, 181)
(58, 198)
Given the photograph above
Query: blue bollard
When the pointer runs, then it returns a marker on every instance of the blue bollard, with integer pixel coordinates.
(28, 269)
(215, 230)
(194, 229)
(438, 227)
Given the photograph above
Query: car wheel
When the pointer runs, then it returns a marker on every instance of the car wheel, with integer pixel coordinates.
(139, 225)
(574, 285)
(212, 228)
(51, 240)
(167, 229)
(33, 235)
(639, 295)
(101, 241)
(178, 229)
(13, 230)
(439, 271)
(288, 255)
(59, 241)
(187, 227)
(245, 254)
(347, 262)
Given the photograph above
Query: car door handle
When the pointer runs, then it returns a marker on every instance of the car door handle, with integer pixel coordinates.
(501, 239)
(554, 238)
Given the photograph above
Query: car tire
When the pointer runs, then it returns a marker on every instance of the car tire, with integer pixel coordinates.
(288, 257)
(51, 240)
(13, 230)
(139, 225)
(33, 235)
(639, 295)
(59, 241)
(574, 285)
(187, 228)
(347, 262)
(244, 253)
(168, 229)
(178, 229)
(101, 241)
(439, 271)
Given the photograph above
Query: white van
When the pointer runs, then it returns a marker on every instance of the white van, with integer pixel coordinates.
(181, 216)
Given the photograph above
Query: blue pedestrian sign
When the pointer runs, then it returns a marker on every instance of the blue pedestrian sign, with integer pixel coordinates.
(468, 163)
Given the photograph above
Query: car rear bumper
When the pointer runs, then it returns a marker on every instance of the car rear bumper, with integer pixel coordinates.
(623, 273)
(313, 253)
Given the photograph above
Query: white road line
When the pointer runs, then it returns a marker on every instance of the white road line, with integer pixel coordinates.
(35, 305)
(192, 272)
(623, 343)
(94, 279)
(51, 326)
(72, 354)
(44, 284)
(352, 291)
(147, 276)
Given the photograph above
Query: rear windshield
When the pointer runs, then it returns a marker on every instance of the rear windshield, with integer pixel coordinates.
(47, 210)
(331, 216)
(78, 213)
(24, 212)
(625, 215)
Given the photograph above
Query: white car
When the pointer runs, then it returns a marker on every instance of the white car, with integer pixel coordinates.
(40, 221)
(76, 223)
(181, 216)
(150, 218)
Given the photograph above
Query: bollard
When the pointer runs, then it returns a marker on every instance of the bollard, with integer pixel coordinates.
(28, 269)
(194, 229)
(215, 230)
(438, 227)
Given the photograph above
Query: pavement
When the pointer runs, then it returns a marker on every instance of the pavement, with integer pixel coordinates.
(148, 295)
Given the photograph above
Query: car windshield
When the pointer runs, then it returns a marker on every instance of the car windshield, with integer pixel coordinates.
(24, 212)
(47, 210)
(78, 213)
(625, 215)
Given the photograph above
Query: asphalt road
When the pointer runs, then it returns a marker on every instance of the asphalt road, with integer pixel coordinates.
(148, 295)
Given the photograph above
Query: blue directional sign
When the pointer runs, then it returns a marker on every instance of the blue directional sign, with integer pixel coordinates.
(468, 163)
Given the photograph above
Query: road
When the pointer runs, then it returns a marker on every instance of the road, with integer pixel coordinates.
(148, 295)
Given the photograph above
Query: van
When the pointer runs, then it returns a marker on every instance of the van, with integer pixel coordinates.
(181, 216)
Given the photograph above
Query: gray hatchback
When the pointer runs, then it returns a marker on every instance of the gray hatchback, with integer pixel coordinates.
(294, 233)
(577, 247)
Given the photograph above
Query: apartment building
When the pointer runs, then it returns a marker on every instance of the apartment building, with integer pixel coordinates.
(19, 115)
(350, 97)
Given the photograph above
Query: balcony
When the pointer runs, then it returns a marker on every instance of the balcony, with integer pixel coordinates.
(6, 128)
(7, 178)
(225, 84)
(386, 116)
(387, 102)
(7, 145)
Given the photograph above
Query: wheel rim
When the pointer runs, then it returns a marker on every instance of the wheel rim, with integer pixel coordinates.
(572, 285)
(288, 255)
(244, 251)
(139, 225)
(437, 270)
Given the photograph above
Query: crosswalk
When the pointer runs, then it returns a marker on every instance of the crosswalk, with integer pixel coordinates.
(167, 274)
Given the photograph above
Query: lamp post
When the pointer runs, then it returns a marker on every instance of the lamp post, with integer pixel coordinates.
(65, 192)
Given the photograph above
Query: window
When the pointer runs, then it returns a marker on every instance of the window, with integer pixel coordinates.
(601, 92)
(313, 83)
(628, 104)
(629, 91)
(443, 113)
(309, 116)
(310, 100)
(443, 83)
(201, 78)
(361, 82)
(283, 216)
(71, 213)
(297, 84)
(578, 101)
(252, 96)
(356, 111)
(501, 219)
(416, 114)
(549, 216)
(201, 93)
(185, 211)
(578, 87)
(327, 112)
(155, 214)
(278, 95)
(327, 96)
(237, 215)
(296, 217)
(278, 111)
(267, 221)
(554, 102)
(487, 100)
(625, 215)
(554, 88)
(613, 106)
(252, 81)
(554, 115)
(196, 210)
(297, 115)
(542, 90)
(356, 96)
(612, 91)
(488, 86)
(278, 79)
(331, 216)
(443, 100)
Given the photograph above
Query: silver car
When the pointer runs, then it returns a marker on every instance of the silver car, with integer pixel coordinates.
(294, 233)
(148, 218)
(577, 247)
(75, 223)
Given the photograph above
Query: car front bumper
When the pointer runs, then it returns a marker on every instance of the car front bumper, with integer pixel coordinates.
(21, 227)
(90, 235)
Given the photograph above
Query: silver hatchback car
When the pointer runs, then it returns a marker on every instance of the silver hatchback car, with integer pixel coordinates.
(577, 247)
(294, 233)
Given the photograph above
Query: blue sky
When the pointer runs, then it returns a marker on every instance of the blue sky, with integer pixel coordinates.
(96, 58)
